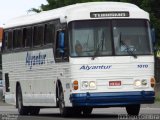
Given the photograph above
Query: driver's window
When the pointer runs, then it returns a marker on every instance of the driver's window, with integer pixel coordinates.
(61, 51)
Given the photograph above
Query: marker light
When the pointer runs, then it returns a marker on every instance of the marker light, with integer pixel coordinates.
(75, 85)
(137, 83)
(153, 82)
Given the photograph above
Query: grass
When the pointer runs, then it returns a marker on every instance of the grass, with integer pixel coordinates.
(158, 97)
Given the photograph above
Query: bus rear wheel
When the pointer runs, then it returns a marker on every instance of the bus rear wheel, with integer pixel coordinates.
(133, 109)
(21, 109)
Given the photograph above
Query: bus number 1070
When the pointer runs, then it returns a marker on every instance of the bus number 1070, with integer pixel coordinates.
(142, 66)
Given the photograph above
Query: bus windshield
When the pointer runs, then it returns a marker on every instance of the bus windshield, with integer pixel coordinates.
(109, 37)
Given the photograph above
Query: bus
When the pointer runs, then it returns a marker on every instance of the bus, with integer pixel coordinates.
(79, 57)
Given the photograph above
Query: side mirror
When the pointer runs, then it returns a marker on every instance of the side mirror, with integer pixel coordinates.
(153, 35)
(61, 42)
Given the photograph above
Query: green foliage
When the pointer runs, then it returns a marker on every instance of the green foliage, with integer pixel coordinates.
(151, 6)
(60, 3)
(158, 97)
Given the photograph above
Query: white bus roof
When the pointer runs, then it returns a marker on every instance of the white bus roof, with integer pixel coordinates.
(80, 11)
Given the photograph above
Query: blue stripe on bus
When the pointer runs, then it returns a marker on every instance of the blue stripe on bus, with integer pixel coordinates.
(112, 98)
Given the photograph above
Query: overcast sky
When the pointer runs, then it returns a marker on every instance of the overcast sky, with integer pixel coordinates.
(14, 8)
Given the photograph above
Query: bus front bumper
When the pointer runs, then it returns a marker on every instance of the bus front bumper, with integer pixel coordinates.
(111, 99)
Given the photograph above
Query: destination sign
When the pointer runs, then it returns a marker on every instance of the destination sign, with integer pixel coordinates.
(108, 14)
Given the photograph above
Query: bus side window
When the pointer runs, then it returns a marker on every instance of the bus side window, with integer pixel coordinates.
(38, 35)
(27, 37)
(5, 41)
(17, 38)
(10, 40)
(49, 33)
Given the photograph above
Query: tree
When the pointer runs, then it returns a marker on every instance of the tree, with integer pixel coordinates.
(151, 6)
(52, 4)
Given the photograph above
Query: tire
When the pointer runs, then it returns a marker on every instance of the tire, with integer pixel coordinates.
(76, 111)
(133, 109)
(34, 110)
(64, 111)
(21, 109)
(87, 111)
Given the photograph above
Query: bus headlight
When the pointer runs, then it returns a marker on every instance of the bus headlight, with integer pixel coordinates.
(137, 83)
(85, 84)
(88, 85)
(144, 82)
(141, 83)
(92, 85)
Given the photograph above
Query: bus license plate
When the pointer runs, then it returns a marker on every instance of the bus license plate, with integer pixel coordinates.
(114, 83)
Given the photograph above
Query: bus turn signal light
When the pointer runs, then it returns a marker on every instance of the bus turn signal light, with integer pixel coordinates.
(75, 85)
(153, 82)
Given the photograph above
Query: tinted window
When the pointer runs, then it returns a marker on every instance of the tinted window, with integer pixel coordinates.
(49, 33)
(10, 40)
(17, 39)
(38, 35)
(27, 37)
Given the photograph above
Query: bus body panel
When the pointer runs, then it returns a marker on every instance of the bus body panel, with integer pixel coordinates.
(80, 12)
(107, 69)
(31, 69)
(112, 99)
(104, 80)
(102, 70)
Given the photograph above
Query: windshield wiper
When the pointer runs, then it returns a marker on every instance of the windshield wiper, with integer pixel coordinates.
(97, 51)
(99, 46)
(129, 51)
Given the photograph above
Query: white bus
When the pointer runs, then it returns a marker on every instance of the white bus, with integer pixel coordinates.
(79, 57)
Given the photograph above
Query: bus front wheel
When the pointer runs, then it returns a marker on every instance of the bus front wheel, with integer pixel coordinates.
(64, 111)
(87, 111)
(34, 110)
(133, 109)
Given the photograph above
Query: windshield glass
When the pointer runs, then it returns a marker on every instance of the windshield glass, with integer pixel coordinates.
(131, 35)
(91, 38)
(87, 37)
